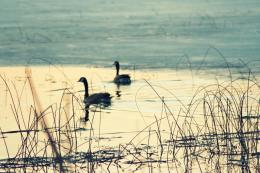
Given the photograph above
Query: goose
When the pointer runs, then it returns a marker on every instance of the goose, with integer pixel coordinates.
(123, 79)
(102, 99)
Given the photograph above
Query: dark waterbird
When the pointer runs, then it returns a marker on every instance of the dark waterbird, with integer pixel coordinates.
(101, 99)
(121, 79)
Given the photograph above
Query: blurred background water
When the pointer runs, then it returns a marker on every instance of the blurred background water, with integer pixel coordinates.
(147, 33)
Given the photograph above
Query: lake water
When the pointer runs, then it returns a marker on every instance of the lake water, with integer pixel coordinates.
(147, 34)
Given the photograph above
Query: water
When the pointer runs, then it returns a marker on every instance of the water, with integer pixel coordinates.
(149, 34)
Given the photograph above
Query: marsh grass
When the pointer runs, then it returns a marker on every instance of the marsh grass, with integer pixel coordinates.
(218, 131)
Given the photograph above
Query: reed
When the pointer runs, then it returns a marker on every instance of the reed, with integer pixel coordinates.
(217, 131)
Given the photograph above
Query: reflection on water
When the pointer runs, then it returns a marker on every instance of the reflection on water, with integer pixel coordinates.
(118, 93)
(172, 120)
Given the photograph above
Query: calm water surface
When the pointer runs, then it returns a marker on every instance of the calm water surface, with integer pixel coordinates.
(151, 34)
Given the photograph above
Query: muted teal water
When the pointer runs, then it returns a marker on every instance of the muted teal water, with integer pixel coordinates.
(148, 33)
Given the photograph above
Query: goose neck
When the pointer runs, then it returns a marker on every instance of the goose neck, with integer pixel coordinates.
(117, 69)
(86, 88)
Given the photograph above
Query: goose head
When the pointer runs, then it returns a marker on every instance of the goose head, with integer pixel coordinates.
(83, 79)
(116, 63)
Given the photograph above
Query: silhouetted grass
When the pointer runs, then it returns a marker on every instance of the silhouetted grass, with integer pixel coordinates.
(217, 131)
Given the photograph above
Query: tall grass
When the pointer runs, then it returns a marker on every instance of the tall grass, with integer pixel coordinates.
(218, 131)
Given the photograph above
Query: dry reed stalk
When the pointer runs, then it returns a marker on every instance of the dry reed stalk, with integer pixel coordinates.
(43, 122)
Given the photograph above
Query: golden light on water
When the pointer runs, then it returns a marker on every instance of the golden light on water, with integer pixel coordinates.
(156, 123)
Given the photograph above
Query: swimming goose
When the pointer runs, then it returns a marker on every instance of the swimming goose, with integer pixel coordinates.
(123, 79)
(102, 99)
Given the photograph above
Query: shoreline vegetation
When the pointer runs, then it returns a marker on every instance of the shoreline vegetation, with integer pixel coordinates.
(216, 130)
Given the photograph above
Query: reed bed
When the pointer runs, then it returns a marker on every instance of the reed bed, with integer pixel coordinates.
(218, 131)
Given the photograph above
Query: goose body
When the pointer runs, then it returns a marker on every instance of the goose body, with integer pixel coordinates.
(123, 79)
(102, 99)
